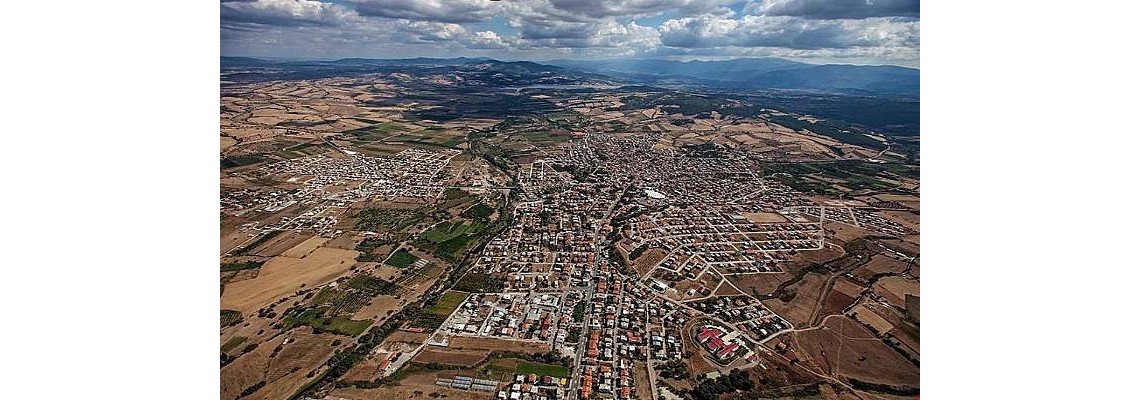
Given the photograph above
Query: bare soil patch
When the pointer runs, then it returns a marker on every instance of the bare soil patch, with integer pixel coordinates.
(281, 276)
(305, 247)
(641, 379)
(280, 243)
(763, 284)
(764, 217)
(648, 260)
(844, 232)
(870, 318)
(378, 308)
(879, 264)
(462, 342)
(895, 288)
(249, 369)
(843, 294)
(799, 309)
(844, 348)
(463, 358)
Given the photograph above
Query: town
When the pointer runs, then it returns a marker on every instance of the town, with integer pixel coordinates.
(591, 251)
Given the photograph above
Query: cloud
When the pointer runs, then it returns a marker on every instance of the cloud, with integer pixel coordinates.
(543, 29)
(285, 13)
(637, 8)
(834, 9)
(424, 31)
(709, 31)
(486, 40)
(452, 11)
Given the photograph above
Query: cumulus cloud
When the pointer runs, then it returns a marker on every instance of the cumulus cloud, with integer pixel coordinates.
(632, 38)
(637, 8)
(425, 31)
(709, 31)
(486, 40)
(285, 13)
(858, 30)
(453, 11)
(835, 9)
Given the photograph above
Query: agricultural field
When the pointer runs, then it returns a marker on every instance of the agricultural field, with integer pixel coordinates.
(283, 275)
(401, 258)
(448, 303)
(517, 366)
(803, 300)
(841, 347)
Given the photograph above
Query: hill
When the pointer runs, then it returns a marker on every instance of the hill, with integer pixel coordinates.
(761, 73)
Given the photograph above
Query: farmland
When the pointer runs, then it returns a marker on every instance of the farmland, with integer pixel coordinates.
(401, 258)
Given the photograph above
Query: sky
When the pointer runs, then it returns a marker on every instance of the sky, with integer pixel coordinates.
(874, 32)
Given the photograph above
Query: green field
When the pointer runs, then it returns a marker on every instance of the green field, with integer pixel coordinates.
(338, 324)
(382, 220)
(480, 283)
(449, 239)
(479, 211)
(527, 367)
(233, 342)
(375, 132)
(230, 317)
(448, 303)
(449, 230)
(238, 266)
(401, 258)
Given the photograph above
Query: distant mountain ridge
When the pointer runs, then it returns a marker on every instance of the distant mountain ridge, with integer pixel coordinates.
(698, 69)
(762, 73)
(488, 70)
(738, 74)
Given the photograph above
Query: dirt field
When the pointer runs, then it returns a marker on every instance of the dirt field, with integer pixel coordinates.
(232, 240)
(386, 272)
(726, 290)
(247, 370)
(870, 318)
(470, 343)
(895, 289)
(807, 258)
(780, 373)
(764, 218)
(283, 275)
(305, 247)
(799, 309)
(287, 371)
(641, 380)
(280, 243)
(406, 337)
(763, 283)
(462, 358)
(415, 386)
(346, 241)
(844, 232)
(879, 264)
(842, 295)
(378, 309)
(905, 218)
(237, 276)
(842, 347)
(648, 259)
(364, 371)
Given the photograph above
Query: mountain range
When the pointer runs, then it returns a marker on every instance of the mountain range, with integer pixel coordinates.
(738, 74)
(761, 73)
